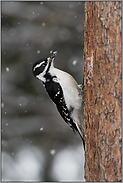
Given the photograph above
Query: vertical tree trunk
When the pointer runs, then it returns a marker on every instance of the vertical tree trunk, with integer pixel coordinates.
(102, 92)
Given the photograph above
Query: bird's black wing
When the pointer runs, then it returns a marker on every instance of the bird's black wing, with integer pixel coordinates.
(56, 94)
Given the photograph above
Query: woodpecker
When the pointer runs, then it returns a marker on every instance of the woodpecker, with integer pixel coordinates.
(64, 91)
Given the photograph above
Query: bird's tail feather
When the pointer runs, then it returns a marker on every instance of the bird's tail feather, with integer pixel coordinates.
(81, 133)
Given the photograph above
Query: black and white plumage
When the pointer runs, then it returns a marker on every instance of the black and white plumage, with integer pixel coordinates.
(63, 90)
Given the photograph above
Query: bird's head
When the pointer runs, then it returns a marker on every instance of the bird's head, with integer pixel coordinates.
(41, 67)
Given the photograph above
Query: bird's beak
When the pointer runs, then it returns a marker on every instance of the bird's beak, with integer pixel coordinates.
(54, 54)
(51, 58)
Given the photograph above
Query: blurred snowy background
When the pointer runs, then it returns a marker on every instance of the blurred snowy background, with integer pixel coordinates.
(37, 145)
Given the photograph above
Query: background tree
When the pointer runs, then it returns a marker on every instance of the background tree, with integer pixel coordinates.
(36, 144)
(103, 90)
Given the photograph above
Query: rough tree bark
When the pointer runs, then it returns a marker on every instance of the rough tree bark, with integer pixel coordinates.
(102, 91)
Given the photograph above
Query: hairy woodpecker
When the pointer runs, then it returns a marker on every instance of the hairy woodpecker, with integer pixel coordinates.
(63, 90)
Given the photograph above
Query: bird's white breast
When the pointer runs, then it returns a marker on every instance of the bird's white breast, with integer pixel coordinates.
(70, 88)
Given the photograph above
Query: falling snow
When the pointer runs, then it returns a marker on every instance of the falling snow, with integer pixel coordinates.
(2, 105)
(74, 62)
(38, 51)
(41, 129)
(52, 152)
(7, 69)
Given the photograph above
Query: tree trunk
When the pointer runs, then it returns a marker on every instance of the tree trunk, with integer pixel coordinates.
(102, 91)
